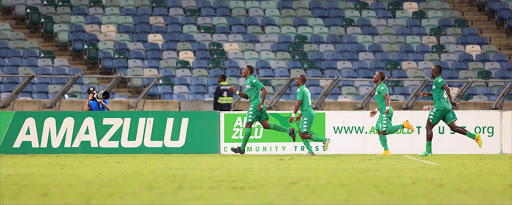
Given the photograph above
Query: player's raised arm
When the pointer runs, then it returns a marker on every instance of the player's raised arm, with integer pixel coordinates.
(243, 95)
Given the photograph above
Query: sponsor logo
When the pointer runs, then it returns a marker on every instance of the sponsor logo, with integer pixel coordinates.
(87, 133)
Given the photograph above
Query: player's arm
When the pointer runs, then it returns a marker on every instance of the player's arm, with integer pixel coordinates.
(263, 96)
(386, 98)
(243, 95)
(424, 94)
(295, 110)
(447, 90)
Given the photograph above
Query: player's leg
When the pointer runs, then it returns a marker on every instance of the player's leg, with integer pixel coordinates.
(433, 118)
(247, 135)
(251, 116)
(450, 119)
(307, 122)
(381, 130)
(305, 140)
(279, 128)
(263, 119)
(430, 135)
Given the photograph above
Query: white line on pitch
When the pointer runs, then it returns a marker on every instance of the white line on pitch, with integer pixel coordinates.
(419, 160)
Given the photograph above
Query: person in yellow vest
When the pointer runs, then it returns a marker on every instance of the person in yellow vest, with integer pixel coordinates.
(223, 96)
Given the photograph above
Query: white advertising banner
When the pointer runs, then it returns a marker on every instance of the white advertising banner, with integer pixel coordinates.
(353, 132)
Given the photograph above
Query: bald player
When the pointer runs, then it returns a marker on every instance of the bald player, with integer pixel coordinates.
(383, 125)
(443, 111)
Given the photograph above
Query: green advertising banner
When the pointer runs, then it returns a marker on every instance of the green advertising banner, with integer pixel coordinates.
(124, 132)
(262, 140)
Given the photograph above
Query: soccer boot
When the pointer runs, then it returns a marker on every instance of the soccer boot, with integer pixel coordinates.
(408, 125)
(426, 154)
(237, 150)
(385, 153)
(478, 140)
(292, 133)
(310, 154)
(326, 144)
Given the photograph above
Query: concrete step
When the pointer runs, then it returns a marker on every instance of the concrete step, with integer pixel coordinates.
(466, 9)
(473, 17)
(501, 44)
(486, 26)
(462, 5)
(456, 1)
(494, 35)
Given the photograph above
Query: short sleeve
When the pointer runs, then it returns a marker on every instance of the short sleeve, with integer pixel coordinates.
(256, 83)
(106, 102)
(381, 90)
(299, 94)
(439, 83)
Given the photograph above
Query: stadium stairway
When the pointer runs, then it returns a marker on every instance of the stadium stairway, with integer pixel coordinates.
(487, 28)
(62, 54)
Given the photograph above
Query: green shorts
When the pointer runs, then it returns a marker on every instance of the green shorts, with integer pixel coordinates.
(255, 115)
(306, 121)
(384, 121)
(448, 116)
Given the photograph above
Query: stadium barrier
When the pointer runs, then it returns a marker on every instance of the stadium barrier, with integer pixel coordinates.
(353, 132)
(148, 132)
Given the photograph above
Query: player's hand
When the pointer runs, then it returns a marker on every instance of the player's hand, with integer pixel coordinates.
(455, 104)
(291, 119)
(373, 113)
(297, 119)
(424, 94)
(260, 107)
(233, 89)
(387, 111)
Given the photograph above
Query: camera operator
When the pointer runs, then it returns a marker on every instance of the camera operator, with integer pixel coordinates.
(95, 104)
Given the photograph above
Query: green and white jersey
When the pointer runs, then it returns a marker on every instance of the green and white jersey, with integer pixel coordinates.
(252, 89)
(379, 97)
(440, 96)
(304, 95)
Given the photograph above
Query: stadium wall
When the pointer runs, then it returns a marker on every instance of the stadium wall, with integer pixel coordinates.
(353, 132)
(174, 105)
(208, 132)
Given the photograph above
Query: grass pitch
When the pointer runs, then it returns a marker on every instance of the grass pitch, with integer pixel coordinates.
(254, 179)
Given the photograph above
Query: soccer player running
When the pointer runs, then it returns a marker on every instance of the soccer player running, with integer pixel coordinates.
(306, 116)
(383, 125)
(443, 111)
(257, 111)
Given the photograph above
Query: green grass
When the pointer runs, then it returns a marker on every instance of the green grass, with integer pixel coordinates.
(251, 179)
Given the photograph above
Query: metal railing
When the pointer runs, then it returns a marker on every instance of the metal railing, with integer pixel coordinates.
(57, 99)
(274, 101)
(364, 104)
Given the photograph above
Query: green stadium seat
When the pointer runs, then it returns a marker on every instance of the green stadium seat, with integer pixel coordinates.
(304, 13)
(337, 30)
